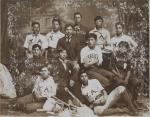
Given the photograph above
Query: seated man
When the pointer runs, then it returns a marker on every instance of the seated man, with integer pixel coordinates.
(44, 89)
(97, 96)
(72, 46)
(123, 68)
(30, 69)
(64, 75)
(91, 60)
(64, 70)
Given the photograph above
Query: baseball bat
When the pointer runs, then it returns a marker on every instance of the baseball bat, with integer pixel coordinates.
(73, 96)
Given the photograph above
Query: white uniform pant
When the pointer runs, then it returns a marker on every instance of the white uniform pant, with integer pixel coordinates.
(113, 97)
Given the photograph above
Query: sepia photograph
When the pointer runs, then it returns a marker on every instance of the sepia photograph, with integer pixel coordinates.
(74, 58)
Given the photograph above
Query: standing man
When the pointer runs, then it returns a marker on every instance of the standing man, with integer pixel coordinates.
(54, 36)
(35, 38)
(103, 35)
(80, 30)
(71, 45)
(120, 36)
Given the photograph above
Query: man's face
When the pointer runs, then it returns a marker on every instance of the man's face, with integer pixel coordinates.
(36, 29)
(77, 18)
(119, 29)
(55, 26)
(123, 49)
(69, 31)
(98, 23)
(84, 78)
(91, 42)
(36, 52)
(63, 54)
(44, 73)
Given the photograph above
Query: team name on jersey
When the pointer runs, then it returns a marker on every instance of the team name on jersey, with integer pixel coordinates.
(93, 55)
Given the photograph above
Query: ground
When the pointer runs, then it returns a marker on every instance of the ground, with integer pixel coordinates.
(7, 112)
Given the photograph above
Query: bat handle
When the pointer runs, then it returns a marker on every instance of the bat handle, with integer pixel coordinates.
(67, 90)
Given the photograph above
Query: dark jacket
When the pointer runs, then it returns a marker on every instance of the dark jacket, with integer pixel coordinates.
(81, 34)
(72, 47)
(63, 75)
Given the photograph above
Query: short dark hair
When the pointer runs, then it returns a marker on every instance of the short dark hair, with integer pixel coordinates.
(33, 23)
(119, 23)
(98, 18)
(56, 20)
(82, 71)
(77, 13)
(124, 43)
(92, 35)
(68, 25)
(41, 67)
(61, 50)
(36, 46)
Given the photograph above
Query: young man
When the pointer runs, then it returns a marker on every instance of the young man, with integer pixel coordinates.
(120, 36)
(97, 96)
(80, 30)
(91, 60)
(33, 64)
(64, 71)
(44, 89)
(72, 46)
(70, 43)
(29, 70)
(103, 35)
(35, 38)
(54, 36)
(122, 67)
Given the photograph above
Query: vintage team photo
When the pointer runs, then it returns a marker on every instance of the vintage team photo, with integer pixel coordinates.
(74, 58)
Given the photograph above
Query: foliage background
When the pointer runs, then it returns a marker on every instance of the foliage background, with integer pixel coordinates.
(133, 13)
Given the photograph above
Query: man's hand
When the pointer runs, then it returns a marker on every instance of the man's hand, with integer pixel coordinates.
(101, 101)
(76, 65)
(90, 99)
(91, 63)
(71, 83)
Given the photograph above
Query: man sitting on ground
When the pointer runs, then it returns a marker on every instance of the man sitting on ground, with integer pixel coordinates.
(44, 89)
(98, 98)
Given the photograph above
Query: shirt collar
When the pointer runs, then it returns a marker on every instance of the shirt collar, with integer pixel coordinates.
(61, 60)
(120, 35)
(55, 32)
(49, 78)
(90, 48)
(35, 35)
(84, 86)
(68, 37)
